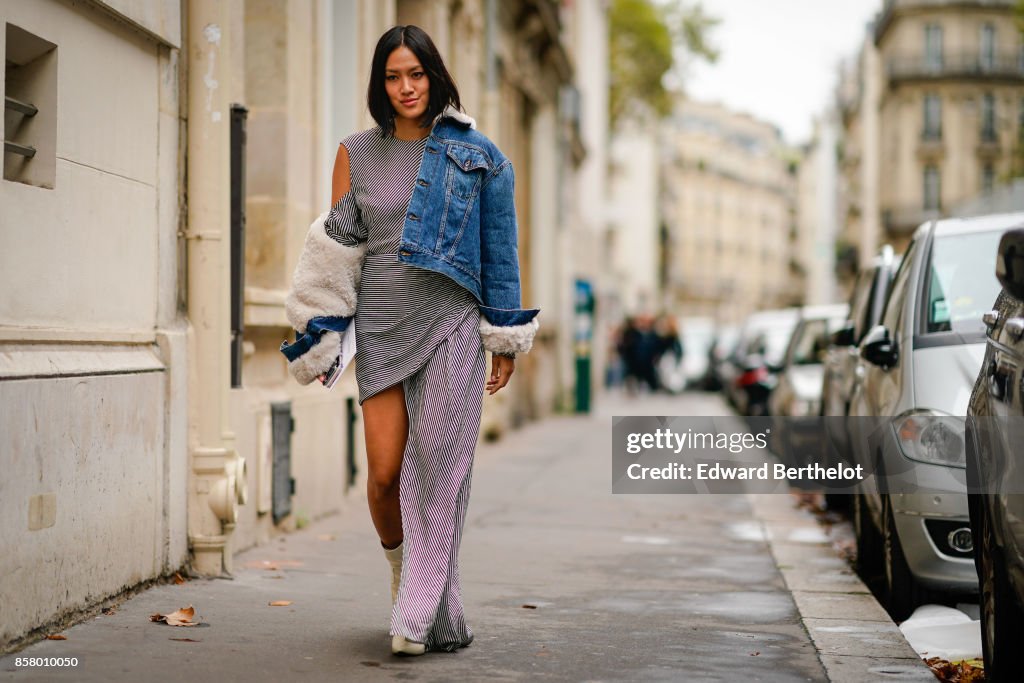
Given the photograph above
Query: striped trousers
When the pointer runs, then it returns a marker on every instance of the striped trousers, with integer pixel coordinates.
(443, 399)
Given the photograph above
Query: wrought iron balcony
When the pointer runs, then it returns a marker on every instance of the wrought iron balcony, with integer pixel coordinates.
(959, 66)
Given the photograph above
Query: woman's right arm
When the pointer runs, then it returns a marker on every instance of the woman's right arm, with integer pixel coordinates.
(344, 224)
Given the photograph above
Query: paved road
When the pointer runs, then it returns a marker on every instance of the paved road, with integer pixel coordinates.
(619, 588)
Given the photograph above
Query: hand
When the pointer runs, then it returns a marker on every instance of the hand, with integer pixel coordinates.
(322, 378)
(502, 368)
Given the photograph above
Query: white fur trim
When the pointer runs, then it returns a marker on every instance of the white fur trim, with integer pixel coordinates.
(326, 280)
(318, 359)
(509, 339)
(452, 112)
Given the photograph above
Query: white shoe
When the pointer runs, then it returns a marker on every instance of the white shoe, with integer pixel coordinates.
(400, 645)
(394, 556)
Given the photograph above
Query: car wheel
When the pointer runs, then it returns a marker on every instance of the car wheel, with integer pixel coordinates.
(869, 541)
(1002, 619)
(840, 502)
(903, 593)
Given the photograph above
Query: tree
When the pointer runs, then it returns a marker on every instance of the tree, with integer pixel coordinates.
(648, 39)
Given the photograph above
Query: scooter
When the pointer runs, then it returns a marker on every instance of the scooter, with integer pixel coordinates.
(755, 384)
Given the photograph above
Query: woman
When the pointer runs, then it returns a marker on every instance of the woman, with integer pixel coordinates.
(420, 245)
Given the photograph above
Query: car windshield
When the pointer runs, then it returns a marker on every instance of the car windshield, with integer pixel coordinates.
(813, 342)
(770, 342)
(962, 284)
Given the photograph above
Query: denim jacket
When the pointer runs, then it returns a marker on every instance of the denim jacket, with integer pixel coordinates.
(460, 222)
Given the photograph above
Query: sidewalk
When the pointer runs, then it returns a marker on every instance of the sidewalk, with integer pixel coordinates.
(561, 580)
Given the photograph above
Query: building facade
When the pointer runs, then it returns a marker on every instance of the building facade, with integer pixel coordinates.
(145, 404)
(817, 213)
(729, 210)
(951, 106)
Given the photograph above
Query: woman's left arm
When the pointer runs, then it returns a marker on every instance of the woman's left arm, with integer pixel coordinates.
(502, 368)
(504, 326)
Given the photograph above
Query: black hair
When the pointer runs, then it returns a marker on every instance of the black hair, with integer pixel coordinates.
(443, 91)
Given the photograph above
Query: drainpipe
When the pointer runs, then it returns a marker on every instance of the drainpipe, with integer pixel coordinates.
(216, 478)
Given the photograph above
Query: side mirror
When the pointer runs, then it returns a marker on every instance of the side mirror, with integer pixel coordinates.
(878, 348)
(844, 336)
(1010, 263)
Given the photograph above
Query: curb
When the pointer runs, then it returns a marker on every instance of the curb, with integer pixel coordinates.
(852, 634)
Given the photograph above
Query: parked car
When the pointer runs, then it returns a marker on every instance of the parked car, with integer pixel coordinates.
(866, 302)
(749, 374)
(867, 299)
(994, 437)
(918, 367)
(798, 393)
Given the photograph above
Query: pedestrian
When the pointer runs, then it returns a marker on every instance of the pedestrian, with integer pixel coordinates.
(420, 247)
(646, 351)
(626, 344)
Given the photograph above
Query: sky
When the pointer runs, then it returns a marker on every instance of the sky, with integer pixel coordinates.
(778, 58)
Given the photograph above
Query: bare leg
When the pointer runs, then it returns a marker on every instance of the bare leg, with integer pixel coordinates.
(386, 424)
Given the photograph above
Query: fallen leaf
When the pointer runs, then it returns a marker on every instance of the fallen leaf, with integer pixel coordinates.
(272, 565)
(280, 603)
(56, 636)
(109, 610)
(955, 672)
(529, 606)
(178, 580)
(186, 640)
(754, 654)
(182, 617)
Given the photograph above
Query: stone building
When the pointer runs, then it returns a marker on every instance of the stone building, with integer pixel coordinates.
(729, 210)
(949, 108)
(143, 401)
(858, 216)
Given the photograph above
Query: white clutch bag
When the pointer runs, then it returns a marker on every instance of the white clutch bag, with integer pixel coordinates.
(348, 352)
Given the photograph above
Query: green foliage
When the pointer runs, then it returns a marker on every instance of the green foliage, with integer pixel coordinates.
(646, 36)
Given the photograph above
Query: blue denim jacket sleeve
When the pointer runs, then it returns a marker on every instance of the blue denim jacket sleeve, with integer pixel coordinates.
(499, 251)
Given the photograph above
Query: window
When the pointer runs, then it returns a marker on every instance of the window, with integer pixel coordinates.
(988, 117)
(932, 188)
(932, 117)
(30, 109)
(933, 47)
(988, 178)
(961, 283)
(987, 56)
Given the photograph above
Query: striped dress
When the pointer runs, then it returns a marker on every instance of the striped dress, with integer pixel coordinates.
(419, 328)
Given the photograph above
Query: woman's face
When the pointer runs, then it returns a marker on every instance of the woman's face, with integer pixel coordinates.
(407, 84)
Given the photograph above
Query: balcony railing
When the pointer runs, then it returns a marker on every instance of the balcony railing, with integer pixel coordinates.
(968, 66)
(892, 7)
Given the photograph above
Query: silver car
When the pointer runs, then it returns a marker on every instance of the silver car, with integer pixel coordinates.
(915, 375)
(798, 393)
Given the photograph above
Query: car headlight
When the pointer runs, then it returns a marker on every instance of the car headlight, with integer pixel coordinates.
(932, 437)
